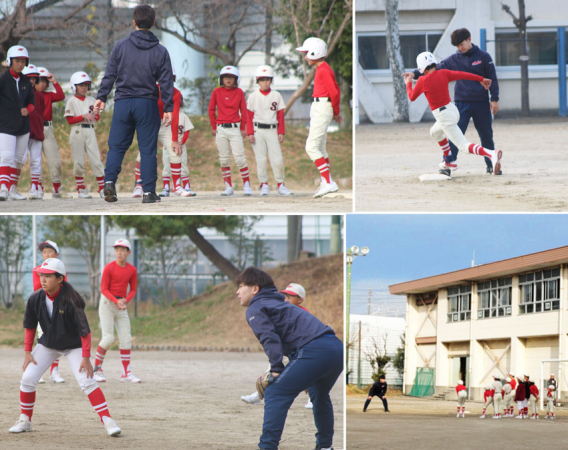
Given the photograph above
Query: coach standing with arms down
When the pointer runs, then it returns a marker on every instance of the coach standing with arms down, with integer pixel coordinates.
(469, 96)
(136, 64)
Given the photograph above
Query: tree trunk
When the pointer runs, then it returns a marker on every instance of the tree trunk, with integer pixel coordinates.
(525, 107)
(396, 63)
(335, 245)
(294, 237)
(222, 263)
(267, 27)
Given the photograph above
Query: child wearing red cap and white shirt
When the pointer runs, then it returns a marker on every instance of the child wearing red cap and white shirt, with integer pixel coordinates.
(117, 276)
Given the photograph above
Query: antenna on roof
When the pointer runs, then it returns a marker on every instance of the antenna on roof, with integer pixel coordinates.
(473, 259)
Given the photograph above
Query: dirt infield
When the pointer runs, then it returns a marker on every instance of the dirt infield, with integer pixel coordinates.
(186, 400)
(423, 424)
(204, 202)
(390, 158)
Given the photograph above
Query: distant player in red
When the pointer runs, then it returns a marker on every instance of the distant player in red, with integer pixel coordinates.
(61, 312)
(462, 397)
(435, 86)
(487, 399)
(534, 399)
(117, 277)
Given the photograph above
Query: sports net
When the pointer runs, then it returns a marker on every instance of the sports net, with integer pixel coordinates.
(423, 383)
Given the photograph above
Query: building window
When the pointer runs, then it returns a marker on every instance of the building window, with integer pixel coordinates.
(373, 54)
(542, 48)
(540, 291)
(494, 298)
(459, 303)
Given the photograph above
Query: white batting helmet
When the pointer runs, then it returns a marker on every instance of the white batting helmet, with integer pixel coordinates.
(424, 59)
(43, 72)
(264, 71)
(229, 70)
(314, 47)
(17, 51)
(79, 78)
(30, 69)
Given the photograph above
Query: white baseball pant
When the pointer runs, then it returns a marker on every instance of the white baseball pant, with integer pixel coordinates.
(534, 404)
(321, 115)
(84, 140)
(462, 396)
(165, 138)
(266, 144)
(497, 403)
(111, 317)
(13, 150)
(34, 149)
(508, 400)
(51, 153)
(44, 357)
(488, 402)
(550, 405)
(228, 139)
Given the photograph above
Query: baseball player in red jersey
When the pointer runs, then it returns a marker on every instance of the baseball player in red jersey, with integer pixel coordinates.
(50, 148)
(435, 86)
(117, 276)
(16, 103)
(61, 312)
(48, 249)
(462, 397)
(534, 399)
(36, 135)
(230, 106)
(487, 399)
(184, 127)
(325, 108)
(508, 396)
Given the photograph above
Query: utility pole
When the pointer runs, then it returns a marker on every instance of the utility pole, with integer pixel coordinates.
(369, 302)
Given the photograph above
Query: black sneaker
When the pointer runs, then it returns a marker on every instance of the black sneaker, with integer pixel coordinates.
(151, 197)
(446, 172)
(489, 170)
(110, 192)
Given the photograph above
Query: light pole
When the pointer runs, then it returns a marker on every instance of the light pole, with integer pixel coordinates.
(352, 253)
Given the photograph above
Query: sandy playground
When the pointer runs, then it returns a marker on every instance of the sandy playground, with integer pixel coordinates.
(390, 158)
(425, 424)
(187, 400)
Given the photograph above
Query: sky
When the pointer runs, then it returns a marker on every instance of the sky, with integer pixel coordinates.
(406, 247)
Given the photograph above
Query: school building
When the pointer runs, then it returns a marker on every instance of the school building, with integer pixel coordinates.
(493, 319)
(426, 25)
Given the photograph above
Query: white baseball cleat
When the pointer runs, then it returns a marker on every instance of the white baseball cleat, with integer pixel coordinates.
(56, 378)
(326, 188)
(33, 194)
(228, 191)
(130, 379)
(495, 416)
(99, 376)
(13, 194)
(22, 425)
(40, 192)
(496, 161)
(191, 193)
(309, 405)
(264, 190)
(283, 190)
(252, 399)
(138, 191)
(451, 165)
(247, 189)
(111, 427)
(3, 193)
(164, 193)
(84, 193)
(61, 194)
(519, 417)
(180, 192)
(482, 416)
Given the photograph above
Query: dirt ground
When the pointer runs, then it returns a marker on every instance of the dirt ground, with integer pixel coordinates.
(204, 202)
(424, 424)
(390, 158)
(185, 400)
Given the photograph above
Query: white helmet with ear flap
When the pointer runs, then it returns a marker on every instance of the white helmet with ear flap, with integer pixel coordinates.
(229, 70)
(17, 51)
(80, 78)
(315, 48)
(424, 59)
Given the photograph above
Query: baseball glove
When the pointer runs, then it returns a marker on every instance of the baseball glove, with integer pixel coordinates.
(263, 382)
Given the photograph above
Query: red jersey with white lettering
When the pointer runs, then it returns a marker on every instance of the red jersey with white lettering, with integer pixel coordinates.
(228, 103)
(325, 85)
(50, 98)
(115, 281)
(435, 86)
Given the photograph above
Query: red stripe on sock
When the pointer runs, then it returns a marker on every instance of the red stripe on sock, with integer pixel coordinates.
(226, 171)
(176, 174)
(323, 167)
(125, 357)
(98, 402)
(100, 351)
(27, 401)
(245, 175)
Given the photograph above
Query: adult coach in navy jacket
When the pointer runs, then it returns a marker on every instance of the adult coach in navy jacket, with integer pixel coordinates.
(136, 64)
(469, 96)
(315, 353)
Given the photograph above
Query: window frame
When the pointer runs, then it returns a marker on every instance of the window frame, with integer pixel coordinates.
(463, 293)
(495, 290)
(538, 289)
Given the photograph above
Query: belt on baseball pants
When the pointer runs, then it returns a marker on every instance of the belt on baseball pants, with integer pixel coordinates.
(442, 108)
(87, 125)
(228, 125)
(47, 123)
(322, 99)
(267, 126)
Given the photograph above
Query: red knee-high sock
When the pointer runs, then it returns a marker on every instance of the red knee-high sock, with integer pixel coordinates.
(80, 182)
(14, 176)
(245, 175)
(35, 180)
(185, 182)
(5, 176)
(98, 401)
(479, 150)
(27, 402)
(100, 357)
(226, 171)
(176, 175)
(166, 181)
(55, 365)
(137, 173)
(483, 413)
(101, 183)
(56, 187)
(125, 357)
(323, 167)
(445, 147)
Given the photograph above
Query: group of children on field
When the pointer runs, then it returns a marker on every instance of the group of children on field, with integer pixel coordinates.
(503, 394)
(28, 129)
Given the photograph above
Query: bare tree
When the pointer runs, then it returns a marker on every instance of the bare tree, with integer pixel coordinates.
(378, 358)
(14, 242)
(396, 63)
(19, 21)
(521, 24)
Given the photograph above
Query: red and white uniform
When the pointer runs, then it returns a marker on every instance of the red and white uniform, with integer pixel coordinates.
(184, 127)
(50, 147)
(36, 140)
(533, 400)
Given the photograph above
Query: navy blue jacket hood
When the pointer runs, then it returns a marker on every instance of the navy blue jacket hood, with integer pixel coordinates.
(281, 328)
(136, 64)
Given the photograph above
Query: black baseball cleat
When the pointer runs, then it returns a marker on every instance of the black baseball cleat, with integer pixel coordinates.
(489, 171)
(151, 197)
(446, 172)
(110, 192)
(320, 448)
